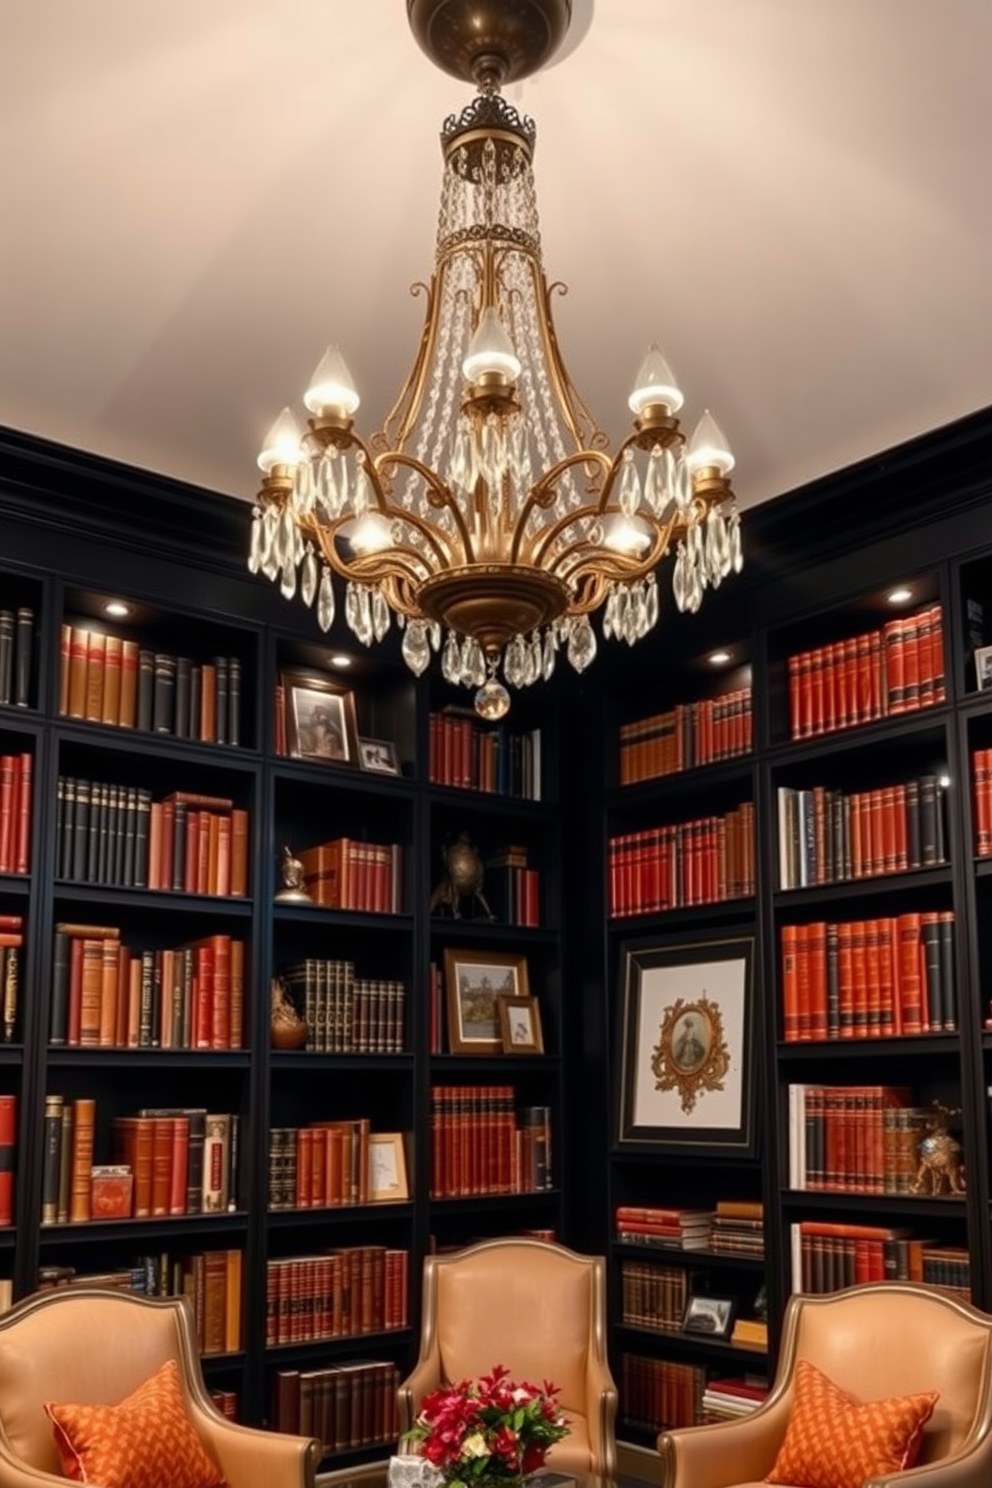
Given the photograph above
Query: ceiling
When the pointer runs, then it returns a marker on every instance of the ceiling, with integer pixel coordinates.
(792, 196)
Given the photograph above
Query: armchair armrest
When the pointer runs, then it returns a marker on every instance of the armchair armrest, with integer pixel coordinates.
(969, 1467)
(423, 1378)
(726, 1452)
(17, 1474)
(248, 1455)
(601, 1411)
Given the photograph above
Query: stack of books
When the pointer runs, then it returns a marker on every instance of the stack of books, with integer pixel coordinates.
(726, 1399)
(739, 1227)
(673, 1228)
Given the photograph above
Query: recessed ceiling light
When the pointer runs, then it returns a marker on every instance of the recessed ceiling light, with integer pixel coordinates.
(900, 596)
(116, 609)
(718, 658)
(341, 661)
(943, 781)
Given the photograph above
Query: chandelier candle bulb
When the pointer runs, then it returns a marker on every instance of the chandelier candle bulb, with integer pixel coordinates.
(487, 514)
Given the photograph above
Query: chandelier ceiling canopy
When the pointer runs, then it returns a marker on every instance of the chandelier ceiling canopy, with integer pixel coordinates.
(487, 514)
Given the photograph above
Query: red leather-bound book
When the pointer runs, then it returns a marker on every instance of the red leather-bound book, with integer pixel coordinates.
(8, 1150)
(24, 774)
(179, 1165)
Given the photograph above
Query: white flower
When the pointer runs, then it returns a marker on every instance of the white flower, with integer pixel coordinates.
(475, 1445)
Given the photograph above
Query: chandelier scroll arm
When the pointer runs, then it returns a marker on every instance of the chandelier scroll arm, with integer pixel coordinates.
(540, 495)
(401, 417)
(443, 499)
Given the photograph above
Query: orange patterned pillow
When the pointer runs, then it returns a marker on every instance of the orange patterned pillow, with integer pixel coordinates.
(146, 1441)
(835, 1441)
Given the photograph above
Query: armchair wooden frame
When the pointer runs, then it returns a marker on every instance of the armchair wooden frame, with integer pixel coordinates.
(874, 1340)
(97, 1344)
(509, 1271)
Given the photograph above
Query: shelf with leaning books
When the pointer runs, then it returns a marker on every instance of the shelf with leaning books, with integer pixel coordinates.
(899, 1142)
(210, 1273)
(21, 611)
(128, 819)
(154, 670)
(348, 1407)
(829, 1254)
(694, 850)
(344, 847)
(874, 658)
(130, 1153)
(142, 981)
(886, 976)
(856, 815)
(509, 762)
(693, 733)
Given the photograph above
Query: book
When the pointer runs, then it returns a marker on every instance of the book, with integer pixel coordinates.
(8, 1153)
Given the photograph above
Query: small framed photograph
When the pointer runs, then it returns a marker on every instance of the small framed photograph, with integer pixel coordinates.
(320, 719)
(983, 667)
(475, 981)
(378, 755)
(520, 1025)
(713, 1316)
(387, 1168)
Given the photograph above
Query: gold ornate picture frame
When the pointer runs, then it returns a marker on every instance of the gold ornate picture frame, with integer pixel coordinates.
(685, 1037)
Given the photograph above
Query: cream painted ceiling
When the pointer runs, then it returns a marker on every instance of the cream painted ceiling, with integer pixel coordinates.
(793, 197)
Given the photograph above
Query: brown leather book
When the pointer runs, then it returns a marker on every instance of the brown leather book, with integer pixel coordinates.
(83, 1134)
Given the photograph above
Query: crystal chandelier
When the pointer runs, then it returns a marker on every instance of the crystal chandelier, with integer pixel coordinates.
(487, 514)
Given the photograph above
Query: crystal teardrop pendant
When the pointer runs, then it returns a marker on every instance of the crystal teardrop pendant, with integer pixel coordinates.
(380, 614)
(325, 600)
(451, 659)
(363, 629)
(363, 495)
(473, 665)
(581, 643)
(652, 602)
(287, 577)
(514, 662)
(270, 561)
(736, 552)
(351, 607)
(550, 654)
(308, 579)
(416, 651)
(255, 543)
(630, 485)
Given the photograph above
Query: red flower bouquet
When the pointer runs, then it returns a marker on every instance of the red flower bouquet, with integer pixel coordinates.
(490, 1431)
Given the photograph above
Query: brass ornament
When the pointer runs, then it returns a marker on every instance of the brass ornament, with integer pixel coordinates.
(691, 1055)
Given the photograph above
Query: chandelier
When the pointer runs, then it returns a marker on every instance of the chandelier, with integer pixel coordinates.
(487, 514)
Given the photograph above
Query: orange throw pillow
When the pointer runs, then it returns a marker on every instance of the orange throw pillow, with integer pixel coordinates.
(146, 1441)
(835, 1441)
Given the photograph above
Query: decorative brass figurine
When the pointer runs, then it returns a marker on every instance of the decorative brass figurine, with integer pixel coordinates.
(294, 889)
(462, 879)
(287, 1030)
(940, 1170)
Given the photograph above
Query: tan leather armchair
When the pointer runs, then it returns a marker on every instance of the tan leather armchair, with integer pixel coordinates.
(875, 1341)
(540, 1310)
(93, 1345)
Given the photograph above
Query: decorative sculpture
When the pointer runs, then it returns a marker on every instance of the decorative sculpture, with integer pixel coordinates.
(294, 889)
(287, 1030)
(462, 879)
(940, 1169)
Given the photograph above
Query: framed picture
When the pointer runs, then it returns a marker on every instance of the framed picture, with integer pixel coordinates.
(320, 719)
(983, 666)
(711, 1315)
(686, 1013)
(520, 1025)
(474, 983)
(378, 755)
(387, 1168)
